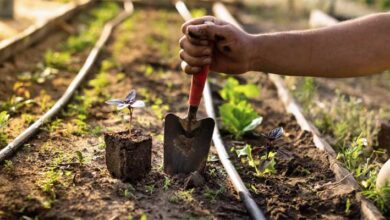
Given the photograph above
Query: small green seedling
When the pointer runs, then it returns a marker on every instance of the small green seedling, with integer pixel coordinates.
(129, 102)
(167, 183)
(80, 157)
(252, 162)
(263, 165)
(150, 188)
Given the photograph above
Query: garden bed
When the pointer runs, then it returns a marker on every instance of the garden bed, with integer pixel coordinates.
(352, 116)
(62, 172)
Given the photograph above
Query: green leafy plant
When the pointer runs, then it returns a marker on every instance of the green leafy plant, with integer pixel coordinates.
(233, 92)
(240, 118)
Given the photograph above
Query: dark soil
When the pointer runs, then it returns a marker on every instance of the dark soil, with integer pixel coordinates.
(128, 154)
(48, 180)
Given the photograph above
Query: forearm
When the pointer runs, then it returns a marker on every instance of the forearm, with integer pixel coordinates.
(355, 48)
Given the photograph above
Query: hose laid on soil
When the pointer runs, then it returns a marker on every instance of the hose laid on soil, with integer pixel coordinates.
(30, 131)
(245, 196)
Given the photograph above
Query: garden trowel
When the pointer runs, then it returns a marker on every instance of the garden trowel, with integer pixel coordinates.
(187, 140)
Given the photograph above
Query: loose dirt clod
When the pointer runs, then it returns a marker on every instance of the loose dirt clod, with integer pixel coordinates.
(128, 155)
(384, 136)
(195, 179)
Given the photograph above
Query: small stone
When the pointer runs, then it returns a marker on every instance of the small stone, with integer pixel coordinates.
(195, 179)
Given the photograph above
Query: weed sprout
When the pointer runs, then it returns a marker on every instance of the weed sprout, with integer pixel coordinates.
(129, 102)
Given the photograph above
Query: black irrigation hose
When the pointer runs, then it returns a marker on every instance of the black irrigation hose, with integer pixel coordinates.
(245, 196)
(12, 147)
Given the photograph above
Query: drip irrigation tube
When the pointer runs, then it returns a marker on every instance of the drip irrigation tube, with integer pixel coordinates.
(90, 61)
(245, 196)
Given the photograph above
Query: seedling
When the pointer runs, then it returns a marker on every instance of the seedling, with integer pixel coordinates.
(167, 183)
(240, 118)
(129, 102)
(80, 157)
(274, 134)
(213, 194)
(150, 188)
(133, 161)
(266, 162)
(8, 165)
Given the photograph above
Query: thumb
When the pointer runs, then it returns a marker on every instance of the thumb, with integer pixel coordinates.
(208, 31)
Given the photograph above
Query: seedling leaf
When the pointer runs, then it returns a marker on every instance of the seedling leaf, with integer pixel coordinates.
(138, 104)
(130, 98)
(233, 92)
(275, 133)
(129, 102)
(253, 125)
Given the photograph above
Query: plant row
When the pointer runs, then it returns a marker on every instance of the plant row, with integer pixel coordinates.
(352, 131)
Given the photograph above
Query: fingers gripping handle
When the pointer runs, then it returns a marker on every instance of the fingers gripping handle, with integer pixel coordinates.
(198, 82)
(197, 86)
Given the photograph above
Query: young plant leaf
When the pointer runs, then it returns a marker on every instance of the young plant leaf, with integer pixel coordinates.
(245, 151)
(3, 118)
(275, 133)
(253, 125)
(138, 104)
(130, 98)
(234, 93)
(129, 102)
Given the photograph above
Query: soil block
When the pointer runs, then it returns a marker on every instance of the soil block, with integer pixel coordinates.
(128, 156)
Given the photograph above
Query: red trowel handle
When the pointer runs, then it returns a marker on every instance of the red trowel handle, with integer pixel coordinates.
(197, 86)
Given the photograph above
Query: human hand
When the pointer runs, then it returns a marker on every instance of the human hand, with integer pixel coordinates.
(210, 41)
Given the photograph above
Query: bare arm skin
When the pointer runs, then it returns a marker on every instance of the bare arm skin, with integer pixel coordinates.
(358, 47)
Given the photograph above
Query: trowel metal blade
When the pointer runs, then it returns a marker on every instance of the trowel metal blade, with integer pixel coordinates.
(184, 153)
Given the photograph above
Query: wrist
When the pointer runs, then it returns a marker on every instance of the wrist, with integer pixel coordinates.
(253, 52)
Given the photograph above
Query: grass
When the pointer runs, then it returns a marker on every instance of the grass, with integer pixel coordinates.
(156, 103)
(182, 196)
(167, 183)
(4, 117)
(79, 109)
(214, 194)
